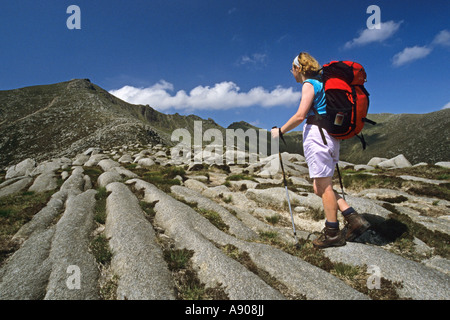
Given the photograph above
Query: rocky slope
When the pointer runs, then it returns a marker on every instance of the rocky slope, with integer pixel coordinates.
(131, 223)
(66, 118)
(419, 137)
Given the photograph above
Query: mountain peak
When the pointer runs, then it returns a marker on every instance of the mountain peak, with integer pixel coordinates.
(64, 118)
(242, 125)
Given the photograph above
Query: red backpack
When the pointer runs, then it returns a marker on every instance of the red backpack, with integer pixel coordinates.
(347, 100)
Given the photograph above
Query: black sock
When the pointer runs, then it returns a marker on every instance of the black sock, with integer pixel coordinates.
(348, 211)
(334, 225)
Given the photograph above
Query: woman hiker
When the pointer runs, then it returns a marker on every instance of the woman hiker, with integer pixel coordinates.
(321, 158)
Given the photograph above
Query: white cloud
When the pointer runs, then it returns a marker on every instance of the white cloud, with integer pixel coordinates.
(410, 54)
(224, 95)
(442, 38)
(417, 52)
(447, 106)
(232, 10)
(256, 123)
(255, 59)
(386, 30)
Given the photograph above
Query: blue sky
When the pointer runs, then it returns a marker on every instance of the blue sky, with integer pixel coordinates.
(229, 60)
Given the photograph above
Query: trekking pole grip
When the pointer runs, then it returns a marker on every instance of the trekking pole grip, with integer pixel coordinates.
(280, 134)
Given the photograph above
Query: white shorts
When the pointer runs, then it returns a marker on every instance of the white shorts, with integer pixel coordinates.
(321, 158)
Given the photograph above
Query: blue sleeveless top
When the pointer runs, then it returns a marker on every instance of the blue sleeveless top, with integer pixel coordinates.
(319, 101)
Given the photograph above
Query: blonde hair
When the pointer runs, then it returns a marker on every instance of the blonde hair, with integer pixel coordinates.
(309, 66)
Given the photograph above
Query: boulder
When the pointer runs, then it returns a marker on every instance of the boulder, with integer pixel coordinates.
(25, 275)
(70, 251)
(50, 166)
(397, 162)
(126, 158)
(80, 159)
(23, 168)
(44, 182)
(75, 182)
(95, 159)
(375, 161)
(444, 164)
(418, 281)
(195, 184)
(137, 258)
(44, 218)
(235, 227)
(108, 177)
(92, 151)
(15, 187)
(146, 162)
(108, 164)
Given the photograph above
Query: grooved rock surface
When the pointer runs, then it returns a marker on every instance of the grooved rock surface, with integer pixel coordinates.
(132, 223)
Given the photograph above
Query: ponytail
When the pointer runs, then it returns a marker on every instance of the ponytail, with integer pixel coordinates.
(309, 66)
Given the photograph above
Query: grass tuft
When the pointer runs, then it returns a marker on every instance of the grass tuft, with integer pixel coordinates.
(100, 249)
(100, 206)
(15, 211)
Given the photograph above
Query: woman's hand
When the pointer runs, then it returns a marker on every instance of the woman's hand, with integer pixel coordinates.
(275, 132)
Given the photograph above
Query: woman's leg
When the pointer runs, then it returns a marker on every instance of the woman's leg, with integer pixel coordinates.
(355, 223)
(323, 187)
(331, 236)
(342, 204)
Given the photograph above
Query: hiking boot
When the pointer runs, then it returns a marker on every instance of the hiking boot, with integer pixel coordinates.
(330, 237)
(355, 226)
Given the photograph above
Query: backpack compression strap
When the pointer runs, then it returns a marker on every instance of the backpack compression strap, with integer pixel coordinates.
(317, 121)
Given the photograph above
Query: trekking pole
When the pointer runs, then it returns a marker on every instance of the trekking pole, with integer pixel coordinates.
(285, 186)
(340, 181)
